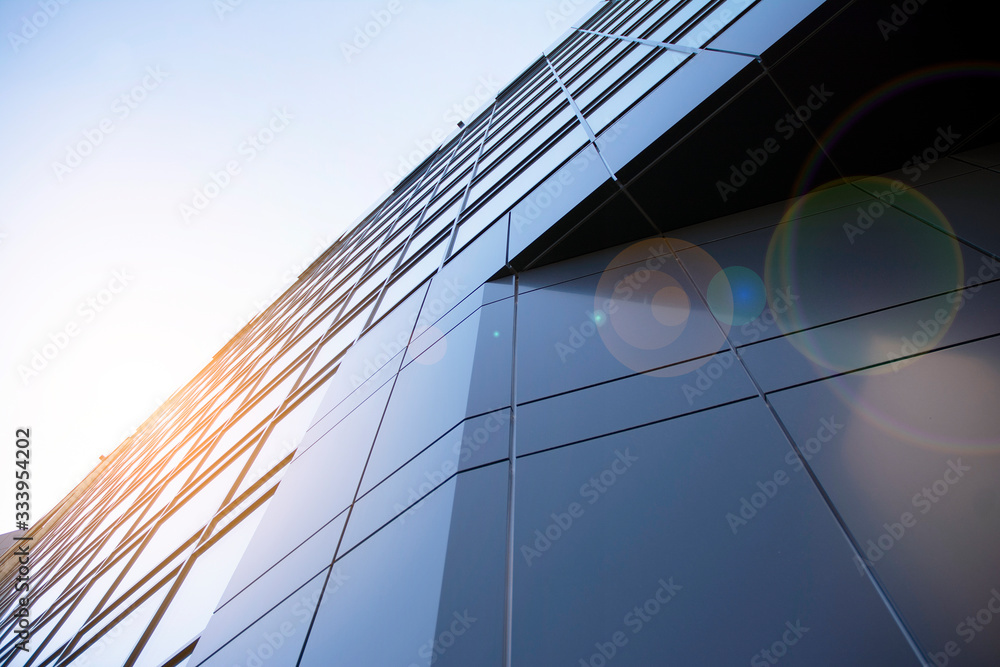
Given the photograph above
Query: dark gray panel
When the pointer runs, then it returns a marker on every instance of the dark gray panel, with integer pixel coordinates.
(644, 544)
(910, 461)
(431, 588)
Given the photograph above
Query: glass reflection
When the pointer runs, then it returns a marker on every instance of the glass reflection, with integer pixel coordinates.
(430, 589)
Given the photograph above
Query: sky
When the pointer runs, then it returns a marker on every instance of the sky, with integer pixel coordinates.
(168, 169)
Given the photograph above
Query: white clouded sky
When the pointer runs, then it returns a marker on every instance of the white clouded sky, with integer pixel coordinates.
(99, 267)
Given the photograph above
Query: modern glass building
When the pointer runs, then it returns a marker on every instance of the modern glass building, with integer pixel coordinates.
(684, 351)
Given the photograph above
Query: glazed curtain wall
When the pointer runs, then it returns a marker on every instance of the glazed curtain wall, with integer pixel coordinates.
(760, 436)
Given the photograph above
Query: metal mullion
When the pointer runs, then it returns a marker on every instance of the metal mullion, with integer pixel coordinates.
(468, 186)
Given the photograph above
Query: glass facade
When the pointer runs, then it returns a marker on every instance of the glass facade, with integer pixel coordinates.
(642, 366)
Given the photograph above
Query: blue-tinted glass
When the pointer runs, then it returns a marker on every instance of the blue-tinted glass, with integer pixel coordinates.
(556, 196)
(639, 547)
(635, 400)
(763, 25)
(966, 204)
(476, 441)
(276, 639)
(661, 109)
(450, 305)
(320, 483)
(820, 268)
(909, 459)
(467, 372)
(626, 319)
(591, 263)
(327, 419)
(250, 595)
(890, 337)
(382, 342)
(429, 589)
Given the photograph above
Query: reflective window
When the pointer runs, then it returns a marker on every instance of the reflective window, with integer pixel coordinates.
(909, 459)
(323, 478)
(276, 639)
(467, 372)
(475, 442)
(437, 580)
(638, 545)
(637, 317)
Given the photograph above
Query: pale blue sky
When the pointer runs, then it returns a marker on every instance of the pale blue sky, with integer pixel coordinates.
(160, 96)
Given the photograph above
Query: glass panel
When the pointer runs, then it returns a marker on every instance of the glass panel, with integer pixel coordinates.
(497, 203)
(327, 420)
(378, 345)
(762, 26)
(467, 372)
(426, 335)
(115, 645)
(909, 459)
(639, 399)
(245, 600)
(437, 581)
(473, 443)
(626, 319)
(887, 337)
(276, 639)
(324, 479)
(816, 269)
(192, 604)
(466, 270)
(556, 196)
(632, 547)
(965, 205)
(665, 105)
